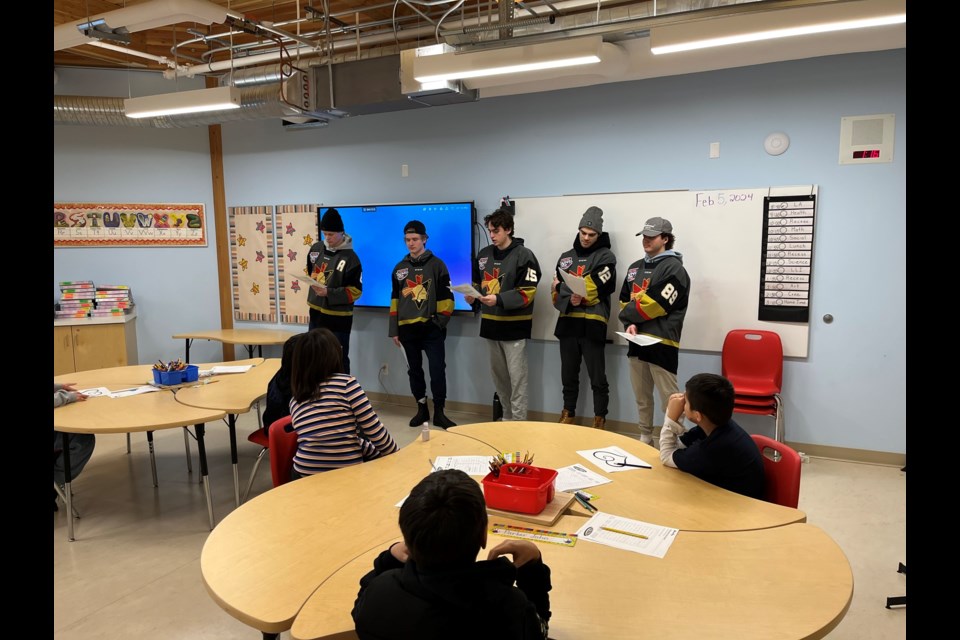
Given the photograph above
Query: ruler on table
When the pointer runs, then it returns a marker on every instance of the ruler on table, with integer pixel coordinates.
(537, 535)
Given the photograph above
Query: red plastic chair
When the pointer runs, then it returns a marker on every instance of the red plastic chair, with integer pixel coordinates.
(752, 360)
(283, 446)
(782, 472)
(259, 438)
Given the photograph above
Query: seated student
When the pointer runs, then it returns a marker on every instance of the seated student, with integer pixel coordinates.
(279, 393)
(335, 424)
(431, 587)
(717, 449)
(81, 444)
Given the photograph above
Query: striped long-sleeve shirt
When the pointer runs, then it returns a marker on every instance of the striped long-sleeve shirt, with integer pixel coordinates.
(337, 428)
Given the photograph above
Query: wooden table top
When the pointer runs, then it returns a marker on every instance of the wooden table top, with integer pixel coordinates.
(240, 336)
(145, 412)
(791, 582)
(253, 562)
(234, 392)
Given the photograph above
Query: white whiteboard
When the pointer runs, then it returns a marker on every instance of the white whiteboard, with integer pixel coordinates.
(718, 232)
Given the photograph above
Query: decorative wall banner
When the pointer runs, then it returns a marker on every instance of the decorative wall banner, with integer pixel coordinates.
(252, 264)
(298, 230)
(88, 224)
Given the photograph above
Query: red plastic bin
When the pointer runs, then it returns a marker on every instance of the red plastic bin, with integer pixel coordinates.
(526, 492)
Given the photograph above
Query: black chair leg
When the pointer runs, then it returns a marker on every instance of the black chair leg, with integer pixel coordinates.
(898, 601)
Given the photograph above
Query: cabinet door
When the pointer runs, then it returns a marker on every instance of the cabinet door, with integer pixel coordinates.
(99, 346)
(63, 351)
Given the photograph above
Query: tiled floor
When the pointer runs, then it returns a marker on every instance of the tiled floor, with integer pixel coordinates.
(134, 569)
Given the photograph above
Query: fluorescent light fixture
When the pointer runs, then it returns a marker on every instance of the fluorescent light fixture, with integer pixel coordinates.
(168, 104)
(438, 64)
(785, 23)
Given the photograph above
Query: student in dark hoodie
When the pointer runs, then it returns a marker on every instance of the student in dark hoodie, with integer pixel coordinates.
(507, 273)
(582, 324)
(279, 392)
(431, 587)
(653, 303)
(334, 263)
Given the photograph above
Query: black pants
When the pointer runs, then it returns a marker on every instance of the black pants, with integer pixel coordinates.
(432, 343)
(572, 350)
(343, 337)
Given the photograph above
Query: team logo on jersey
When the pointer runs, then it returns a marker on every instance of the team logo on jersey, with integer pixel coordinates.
(481, 263)
(639, 289)
(631, 275)
(417, 290)
(401, 273)
(491, 282)
(314, 255)
(320, 273)
(565, 263)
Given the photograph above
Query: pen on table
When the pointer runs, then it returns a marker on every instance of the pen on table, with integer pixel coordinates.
(584, 503)
(626, 533)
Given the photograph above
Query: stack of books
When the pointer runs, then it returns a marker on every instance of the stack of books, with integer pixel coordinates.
(112, 300)
(76, 299)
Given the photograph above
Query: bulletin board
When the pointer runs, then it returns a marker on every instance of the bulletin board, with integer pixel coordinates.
(719, 232)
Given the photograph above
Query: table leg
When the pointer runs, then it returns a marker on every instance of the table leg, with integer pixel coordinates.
(270, 636)
(153, 458)
(202, 451)
(68, 494)
(232, 426)
(249, 350)
(187, 355)
(186, 445)
(128, 442)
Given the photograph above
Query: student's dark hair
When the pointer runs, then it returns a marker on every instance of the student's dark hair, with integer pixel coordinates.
(711, 395)
(500, 218)
(444, 520)
(670, 240)
(316, 357)
(286, 362)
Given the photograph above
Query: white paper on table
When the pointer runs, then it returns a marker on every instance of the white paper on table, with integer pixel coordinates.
(577, 284)
(612, 459)
(656, 543)
(466, 289)
(640, 339)
(310, 282)
(577, 476)
(238, 368)
(95, 392)
(471, 465)
(134, 391)
(402, 500)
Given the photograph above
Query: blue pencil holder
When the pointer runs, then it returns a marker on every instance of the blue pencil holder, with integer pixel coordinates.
(167, 378)
(191, 373)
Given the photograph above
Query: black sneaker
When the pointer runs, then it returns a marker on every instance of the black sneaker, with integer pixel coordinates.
(423, 415)
(440, 420)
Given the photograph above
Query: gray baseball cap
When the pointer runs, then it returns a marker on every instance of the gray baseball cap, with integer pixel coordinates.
(656, 226)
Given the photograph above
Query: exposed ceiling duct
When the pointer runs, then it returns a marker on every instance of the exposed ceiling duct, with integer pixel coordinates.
(339, 74)
(258, 102)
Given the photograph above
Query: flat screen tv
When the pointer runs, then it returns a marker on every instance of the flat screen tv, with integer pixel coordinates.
(377, 232)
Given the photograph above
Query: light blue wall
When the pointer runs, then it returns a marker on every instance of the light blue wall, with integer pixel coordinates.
(633, 136)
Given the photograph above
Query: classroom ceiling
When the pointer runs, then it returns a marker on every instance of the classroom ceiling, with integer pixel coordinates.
(250, 34)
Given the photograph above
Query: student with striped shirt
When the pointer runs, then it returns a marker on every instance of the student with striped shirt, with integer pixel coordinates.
(336, 425)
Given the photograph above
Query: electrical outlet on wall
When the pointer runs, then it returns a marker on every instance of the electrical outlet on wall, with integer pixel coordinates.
(385, 369)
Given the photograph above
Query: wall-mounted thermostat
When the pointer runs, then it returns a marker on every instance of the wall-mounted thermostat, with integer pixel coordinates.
(866, 139)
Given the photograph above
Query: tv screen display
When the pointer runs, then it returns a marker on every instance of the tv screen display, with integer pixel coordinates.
(377, 232)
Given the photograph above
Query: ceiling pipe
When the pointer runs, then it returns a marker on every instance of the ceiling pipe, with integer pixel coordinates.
(140, 54)
(139, 17)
